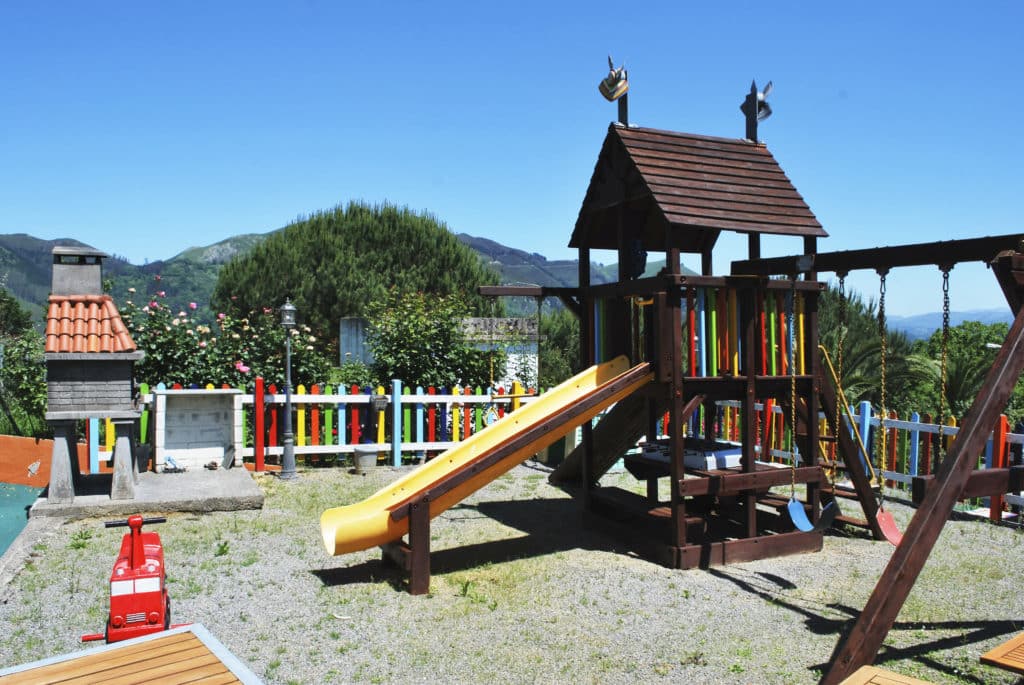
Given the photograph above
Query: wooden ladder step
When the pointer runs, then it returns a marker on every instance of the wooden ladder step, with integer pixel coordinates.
(841, 493)
(852, 521)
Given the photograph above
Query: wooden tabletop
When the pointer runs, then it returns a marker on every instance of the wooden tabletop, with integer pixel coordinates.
(183, 655)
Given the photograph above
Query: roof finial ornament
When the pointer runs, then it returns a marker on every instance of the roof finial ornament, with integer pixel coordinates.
(615, 86)
(756, 108)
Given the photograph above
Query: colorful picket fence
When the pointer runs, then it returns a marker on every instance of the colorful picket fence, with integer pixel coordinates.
(326, 424)
(409, 424)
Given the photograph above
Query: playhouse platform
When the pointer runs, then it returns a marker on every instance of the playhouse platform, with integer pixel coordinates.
(194, 490)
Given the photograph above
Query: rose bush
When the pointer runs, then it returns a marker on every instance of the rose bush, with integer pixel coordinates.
(234, 350)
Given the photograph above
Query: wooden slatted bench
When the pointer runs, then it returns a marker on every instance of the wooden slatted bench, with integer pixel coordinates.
(872, 675)
(189, 654)
(1008, 656)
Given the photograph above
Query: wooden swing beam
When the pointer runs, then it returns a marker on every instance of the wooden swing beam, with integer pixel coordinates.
(939, 253)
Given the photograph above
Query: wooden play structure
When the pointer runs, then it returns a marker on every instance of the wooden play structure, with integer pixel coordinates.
(726, 349)
(749, 339)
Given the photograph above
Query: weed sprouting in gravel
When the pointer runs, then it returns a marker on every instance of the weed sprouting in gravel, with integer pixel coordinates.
(80, 539)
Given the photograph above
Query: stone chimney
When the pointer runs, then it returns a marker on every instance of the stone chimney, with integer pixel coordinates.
(77, 271)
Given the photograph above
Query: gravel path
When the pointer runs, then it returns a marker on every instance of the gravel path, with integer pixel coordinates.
(521, 593)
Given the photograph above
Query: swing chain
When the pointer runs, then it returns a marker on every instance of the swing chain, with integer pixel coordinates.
(793, 449)
(840, 344)
(944, 358)
(882, 334)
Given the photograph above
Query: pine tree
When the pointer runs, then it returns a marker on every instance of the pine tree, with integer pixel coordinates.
(336, 262)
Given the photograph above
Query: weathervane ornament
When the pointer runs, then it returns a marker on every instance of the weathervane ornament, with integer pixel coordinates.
(756, 108)
(616, 83)
(615, 86)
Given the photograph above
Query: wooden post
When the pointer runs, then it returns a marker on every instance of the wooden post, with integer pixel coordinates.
(419, 547)
(259, 427)
(669, 318)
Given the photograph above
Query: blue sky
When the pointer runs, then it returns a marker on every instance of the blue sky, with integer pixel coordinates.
(147, 128)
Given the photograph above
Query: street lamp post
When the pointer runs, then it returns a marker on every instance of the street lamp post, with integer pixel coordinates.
(288, 460)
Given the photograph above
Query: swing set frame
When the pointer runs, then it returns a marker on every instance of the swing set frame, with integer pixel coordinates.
(956, 475)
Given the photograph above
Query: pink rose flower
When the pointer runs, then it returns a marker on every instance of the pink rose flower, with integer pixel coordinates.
(192, 305)
(242, 367)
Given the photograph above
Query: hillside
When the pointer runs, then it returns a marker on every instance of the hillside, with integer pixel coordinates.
(920, 326)
(26, 263)
(190, 276)
(519, 266)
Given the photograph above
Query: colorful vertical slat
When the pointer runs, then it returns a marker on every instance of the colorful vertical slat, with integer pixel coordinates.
(314, 417)
(300, 419)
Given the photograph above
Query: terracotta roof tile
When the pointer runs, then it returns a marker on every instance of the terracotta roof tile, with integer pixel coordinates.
(86, 323)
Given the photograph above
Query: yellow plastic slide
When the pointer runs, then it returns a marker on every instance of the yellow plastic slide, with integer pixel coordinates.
(368, 523)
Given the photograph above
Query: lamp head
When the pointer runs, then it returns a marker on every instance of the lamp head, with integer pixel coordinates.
(288, 314)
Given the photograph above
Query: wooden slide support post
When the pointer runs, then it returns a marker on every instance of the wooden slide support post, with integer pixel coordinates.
(864, 639)
(413, 557)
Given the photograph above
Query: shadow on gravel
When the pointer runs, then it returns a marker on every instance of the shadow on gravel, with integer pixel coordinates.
(952, 634)
(955, 634)
(551, 525)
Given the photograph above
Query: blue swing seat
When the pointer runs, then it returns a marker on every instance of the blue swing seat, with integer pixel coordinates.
(798, 514)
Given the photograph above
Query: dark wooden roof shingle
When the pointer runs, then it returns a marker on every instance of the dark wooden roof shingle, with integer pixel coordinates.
(681, 190)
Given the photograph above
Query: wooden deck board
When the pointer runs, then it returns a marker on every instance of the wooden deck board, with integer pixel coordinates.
(1008, 656)
(872, 675)
(186, 655)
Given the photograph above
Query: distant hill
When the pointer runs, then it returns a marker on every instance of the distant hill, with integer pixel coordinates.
(190, 276)
(519, 266)
(920, 326)
(26, 263)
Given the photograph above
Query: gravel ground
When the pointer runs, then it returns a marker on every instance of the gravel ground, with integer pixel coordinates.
(521, 593)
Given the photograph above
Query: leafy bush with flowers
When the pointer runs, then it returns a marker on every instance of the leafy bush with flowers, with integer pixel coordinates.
(235, 349)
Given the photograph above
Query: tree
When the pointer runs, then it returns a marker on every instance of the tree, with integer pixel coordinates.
(559, 347)
(969, 355)
(22, 372)
(418, 339)
(336, 262)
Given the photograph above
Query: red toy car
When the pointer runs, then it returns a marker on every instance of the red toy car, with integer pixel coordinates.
(139, 604)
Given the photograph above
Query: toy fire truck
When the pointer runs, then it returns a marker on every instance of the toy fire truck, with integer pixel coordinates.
(139, 604)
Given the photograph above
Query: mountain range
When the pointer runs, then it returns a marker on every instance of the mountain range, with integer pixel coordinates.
(190, 276)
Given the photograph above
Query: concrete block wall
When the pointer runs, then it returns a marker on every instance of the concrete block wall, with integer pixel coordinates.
(194, 427)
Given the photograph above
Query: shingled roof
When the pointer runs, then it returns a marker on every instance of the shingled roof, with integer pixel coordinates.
(681, 190)
(84, 324)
